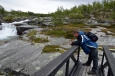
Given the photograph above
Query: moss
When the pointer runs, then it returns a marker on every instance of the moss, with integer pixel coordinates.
(33, 38)
(79, 25)
(40, 40)
(56, 32)
(52, 49)
(32, 33)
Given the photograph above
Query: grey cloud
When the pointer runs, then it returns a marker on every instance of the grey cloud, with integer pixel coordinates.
(78, 1)
(41, 5)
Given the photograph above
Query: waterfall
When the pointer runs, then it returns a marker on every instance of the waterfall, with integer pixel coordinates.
(8, 31)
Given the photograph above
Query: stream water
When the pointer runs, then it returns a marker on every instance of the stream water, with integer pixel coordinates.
(8, 31)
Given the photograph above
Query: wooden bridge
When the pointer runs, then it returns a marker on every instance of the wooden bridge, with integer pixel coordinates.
(78, 69)
(53, 67)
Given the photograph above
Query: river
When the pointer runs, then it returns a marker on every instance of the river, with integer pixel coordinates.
(8, 31)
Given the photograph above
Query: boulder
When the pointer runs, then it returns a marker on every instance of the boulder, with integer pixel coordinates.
(21, 29)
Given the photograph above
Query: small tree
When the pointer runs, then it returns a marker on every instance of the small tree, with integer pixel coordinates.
(2, 11)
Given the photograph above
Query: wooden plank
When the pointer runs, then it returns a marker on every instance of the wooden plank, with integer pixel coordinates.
(81, 71)
(97, 73)
(52, 67)
(84, 71)
(77, 69)
(87, 70)
(110, 59)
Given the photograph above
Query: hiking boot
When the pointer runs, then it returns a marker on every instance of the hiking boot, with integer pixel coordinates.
(91, 72)
(85, 64)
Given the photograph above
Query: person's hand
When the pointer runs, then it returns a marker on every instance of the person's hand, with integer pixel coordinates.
(71, 41)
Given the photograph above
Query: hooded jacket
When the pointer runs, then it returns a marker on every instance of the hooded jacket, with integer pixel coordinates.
(85, 43)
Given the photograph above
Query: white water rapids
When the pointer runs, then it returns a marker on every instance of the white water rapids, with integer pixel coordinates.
(8, 30)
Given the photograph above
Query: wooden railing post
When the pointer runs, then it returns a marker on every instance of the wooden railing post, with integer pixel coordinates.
(67, 68)
(78, 53)
(53, 67)
(110, 62)
(108, 74)
(102, 62)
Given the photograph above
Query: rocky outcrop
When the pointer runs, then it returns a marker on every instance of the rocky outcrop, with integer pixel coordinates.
(21, 29)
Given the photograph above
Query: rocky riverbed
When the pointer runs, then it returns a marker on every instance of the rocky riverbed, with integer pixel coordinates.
(20, 55)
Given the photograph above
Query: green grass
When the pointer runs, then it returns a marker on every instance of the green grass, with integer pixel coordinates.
(38, 40)
(56, 32)
(64, 31)
(32, 33)
(52, 49)
(33, 38)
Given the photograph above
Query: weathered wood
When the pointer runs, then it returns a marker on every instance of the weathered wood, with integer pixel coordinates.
(87, 70)
(110, 59)
(80, 70)
(84, 71)
(73, 58)
(76, 69)
(52, 68)
(27, 56)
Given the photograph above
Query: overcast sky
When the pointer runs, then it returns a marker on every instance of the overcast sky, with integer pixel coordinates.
(41, 6)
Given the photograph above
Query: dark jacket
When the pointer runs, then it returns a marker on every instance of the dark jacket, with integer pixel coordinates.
(86, 44)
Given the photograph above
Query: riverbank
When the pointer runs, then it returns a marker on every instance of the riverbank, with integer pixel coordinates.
(27, 57)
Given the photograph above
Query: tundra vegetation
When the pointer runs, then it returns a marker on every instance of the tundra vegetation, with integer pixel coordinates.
(78, 15)
(104, 10)
(33, 38)
(52, 48)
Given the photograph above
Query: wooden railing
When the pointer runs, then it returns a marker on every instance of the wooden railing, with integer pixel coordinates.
(64, 59)
(52, 68)
(110, 62)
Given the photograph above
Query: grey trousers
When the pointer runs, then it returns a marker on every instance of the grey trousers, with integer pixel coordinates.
(93, 56)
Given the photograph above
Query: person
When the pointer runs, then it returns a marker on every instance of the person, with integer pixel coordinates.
(89, 48)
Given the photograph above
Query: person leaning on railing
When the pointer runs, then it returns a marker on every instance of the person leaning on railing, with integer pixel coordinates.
(89, 47)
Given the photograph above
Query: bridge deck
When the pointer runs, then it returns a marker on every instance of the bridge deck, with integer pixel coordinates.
(81, 70)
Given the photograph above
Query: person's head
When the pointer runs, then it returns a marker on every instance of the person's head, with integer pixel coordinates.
(75, 33)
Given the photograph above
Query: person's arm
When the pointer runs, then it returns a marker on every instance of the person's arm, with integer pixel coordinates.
(78, 42)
